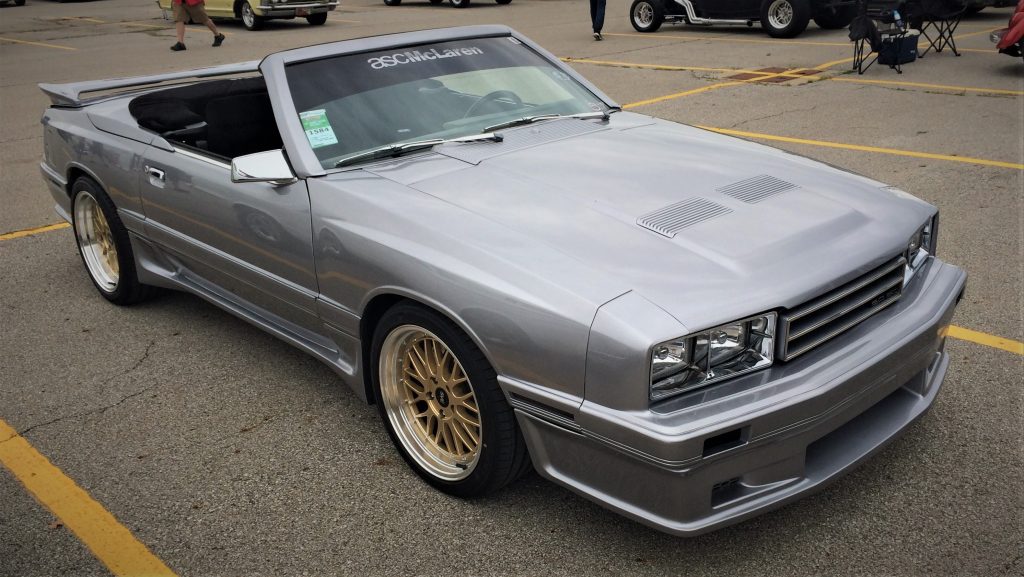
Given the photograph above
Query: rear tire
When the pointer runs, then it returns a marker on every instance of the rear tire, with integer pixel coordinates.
(503, 1)
(104, 245)
(459, 3)
(392, 2)
(646, 15)
(317, 19)
(835, 18)
(441, 404)
(19, 2)
(785, 18)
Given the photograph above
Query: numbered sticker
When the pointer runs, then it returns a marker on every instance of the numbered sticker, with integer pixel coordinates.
(318, 128)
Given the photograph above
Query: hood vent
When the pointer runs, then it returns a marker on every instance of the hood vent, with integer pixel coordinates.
(756, 189)
(672, 219)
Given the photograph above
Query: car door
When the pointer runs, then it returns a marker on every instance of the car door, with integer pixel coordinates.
(243, 241)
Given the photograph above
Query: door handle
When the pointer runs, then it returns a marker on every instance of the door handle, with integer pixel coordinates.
(155, 173)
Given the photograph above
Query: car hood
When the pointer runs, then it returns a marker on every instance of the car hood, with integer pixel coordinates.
(789, 229)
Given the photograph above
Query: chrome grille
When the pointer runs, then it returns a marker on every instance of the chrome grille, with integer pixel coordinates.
(833, 313)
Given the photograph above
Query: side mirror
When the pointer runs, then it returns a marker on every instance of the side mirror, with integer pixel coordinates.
(270, 166)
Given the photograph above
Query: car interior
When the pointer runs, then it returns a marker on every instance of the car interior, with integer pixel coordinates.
(225, 118)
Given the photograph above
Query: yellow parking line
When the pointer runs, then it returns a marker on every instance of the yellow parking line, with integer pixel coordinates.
(43, 44)
(649, 66)
(848, 45)
(732, 39)
(681, 94)
(110, 541)
(31, 231)
(986, 339)
(94, 20)
(929, 86)
(763, 76)
(978, 33)
(792, 74)
(144, 25)
(876, 149)
(832, 63)
(670, 68)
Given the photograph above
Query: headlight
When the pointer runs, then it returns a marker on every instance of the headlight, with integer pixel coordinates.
(921, 245)
(711, 356)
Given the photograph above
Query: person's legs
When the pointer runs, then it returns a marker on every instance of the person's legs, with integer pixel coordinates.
(218, 38)
(180, 16)
(597, 17)
(199, 16)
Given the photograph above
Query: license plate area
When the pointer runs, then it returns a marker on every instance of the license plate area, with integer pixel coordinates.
(302, 12)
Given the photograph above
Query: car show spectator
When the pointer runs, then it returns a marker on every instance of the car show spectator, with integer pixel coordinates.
(597, 17)
(194, 10)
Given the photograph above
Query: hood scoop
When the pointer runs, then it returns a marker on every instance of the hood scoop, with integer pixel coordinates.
(756, 189)
(670, 220)
(520, 138)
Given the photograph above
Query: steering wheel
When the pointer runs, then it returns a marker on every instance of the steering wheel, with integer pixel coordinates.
(492, 97)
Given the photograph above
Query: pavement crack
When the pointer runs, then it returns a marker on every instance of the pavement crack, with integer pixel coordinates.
(105, 408)
(776, 115)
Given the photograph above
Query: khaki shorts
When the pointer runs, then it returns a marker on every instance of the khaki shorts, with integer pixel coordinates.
(183, 13)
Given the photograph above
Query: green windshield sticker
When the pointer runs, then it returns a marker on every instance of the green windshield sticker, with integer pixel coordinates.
(318, 128)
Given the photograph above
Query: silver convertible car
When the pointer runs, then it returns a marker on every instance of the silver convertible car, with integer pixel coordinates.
(687, 328)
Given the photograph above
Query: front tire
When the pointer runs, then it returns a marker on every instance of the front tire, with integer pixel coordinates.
(785, 18)
(646, 15)
(104, 245)
(317, 19)
(249, 18)
(459, 3)
(441, 404)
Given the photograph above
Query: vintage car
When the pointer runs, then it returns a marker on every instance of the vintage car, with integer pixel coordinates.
(779, 18)
(685, 327)
(254, 13)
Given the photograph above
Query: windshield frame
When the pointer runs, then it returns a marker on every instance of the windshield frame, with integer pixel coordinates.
(300, 153)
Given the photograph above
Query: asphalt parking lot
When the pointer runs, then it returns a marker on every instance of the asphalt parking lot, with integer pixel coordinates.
(226, 452)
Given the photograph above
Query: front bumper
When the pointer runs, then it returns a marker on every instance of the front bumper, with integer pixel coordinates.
(778, 435)
(292, 10)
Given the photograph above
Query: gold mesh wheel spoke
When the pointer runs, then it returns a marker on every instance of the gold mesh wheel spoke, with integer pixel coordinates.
(96, 241)
(430, 402)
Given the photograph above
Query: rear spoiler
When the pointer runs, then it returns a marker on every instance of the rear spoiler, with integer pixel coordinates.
(70, 94)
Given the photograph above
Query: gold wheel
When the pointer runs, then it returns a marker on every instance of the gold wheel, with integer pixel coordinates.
(96, 242)
(429, 400)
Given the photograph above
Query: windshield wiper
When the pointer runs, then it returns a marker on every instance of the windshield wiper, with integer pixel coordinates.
(603, 115)
(520, 121)
(395, 150)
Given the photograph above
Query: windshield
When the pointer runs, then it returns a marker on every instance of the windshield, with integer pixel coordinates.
(355, 103)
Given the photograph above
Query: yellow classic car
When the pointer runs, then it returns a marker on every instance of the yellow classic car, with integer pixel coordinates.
(254, 13)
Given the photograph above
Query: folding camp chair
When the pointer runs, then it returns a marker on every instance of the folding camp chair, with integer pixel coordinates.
(939, 18)
(876, 31)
